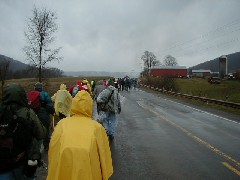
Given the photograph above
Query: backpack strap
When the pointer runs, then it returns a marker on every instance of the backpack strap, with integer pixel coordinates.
(109, 97)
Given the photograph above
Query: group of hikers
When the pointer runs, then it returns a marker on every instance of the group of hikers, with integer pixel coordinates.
(125, 84)
(78, 146)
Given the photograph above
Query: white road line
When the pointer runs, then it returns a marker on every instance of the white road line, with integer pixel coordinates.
(203, 111)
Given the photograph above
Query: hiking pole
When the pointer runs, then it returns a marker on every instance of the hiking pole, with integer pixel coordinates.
(53, 122)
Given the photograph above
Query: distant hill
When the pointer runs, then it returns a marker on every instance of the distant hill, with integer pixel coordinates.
(213, 65)
(17, 65)
(14, 64)
(100, 73)
(233, 63)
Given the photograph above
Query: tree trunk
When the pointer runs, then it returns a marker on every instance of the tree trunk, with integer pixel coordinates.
(40, 64)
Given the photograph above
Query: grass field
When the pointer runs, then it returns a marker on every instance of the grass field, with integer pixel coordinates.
(227, 90)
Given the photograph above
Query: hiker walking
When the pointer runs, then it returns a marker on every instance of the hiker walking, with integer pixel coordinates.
(62, 102)
(93, 85)
(45, 109)
(20, 133)
(79, 148)
(98, 89)
(87, 86)
(108, 102)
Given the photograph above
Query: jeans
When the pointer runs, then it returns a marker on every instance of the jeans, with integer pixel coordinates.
(109, 122)
(15, 174)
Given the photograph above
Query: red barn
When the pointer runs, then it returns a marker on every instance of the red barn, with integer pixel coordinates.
(169, 71)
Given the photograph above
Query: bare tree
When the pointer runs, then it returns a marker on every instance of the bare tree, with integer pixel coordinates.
(170, 61)
(4, 66)
(149, 60)
(39, 35)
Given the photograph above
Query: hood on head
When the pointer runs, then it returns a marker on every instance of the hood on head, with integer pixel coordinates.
(82, 104)
(15, 93)
(78, 83)
(85, 82)
(63, 87)
(38, 86)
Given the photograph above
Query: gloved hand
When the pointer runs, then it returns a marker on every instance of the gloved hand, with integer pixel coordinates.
(30, 168)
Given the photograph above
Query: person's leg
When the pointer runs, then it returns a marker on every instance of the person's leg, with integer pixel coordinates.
(47, 139)
(112, 124)
(105, 122)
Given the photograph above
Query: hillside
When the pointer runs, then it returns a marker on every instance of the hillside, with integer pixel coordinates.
(233, 65)
(17, 65)
(232, 59)
(100, 73)
(14, 64)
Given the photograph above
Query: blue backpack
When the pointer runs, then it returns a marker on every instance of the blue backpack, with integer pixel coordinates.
(75, 90)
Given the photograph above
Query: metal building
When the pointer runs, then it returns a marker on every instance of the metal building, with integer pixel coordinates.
(222, 66)
(202, 73)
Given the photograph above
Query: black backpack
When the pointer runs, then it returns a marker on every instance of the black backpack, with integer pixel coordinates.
(15, 135)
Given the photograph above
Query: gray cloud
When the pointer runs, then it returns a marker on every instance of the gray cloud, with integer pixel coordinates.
(111, 35)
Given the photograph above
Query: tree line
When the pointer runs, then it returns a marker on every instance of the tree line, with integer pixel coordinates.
(150, 60)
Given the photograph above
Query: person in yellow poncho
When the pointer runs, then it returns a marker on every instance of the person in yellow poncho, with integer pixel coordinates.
(79, 147)
(62, 102)
(85, 82)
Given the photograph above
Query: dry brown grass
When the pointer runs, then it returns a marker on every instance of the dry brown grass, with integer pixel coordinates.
(51, 85)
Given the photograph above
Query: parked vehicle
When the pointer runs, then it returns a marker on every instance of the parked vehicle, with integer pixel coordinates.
(214, 80)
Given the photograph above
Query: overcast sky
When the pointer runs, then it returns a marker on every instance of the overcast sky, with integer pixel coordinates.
(112, 35)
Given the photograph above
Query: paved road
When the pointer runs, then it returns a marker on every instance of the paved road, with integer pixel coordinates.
(158, 138)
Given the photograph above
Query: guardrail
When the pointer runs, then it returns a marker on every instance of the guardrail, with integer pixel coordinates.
(204, 99)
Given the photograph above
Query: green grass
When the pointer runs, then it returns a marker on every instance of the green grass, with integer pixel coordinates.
(226, 90)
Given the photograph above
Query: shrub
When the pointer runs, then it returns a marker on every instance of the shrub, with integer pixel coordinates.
(168, 84)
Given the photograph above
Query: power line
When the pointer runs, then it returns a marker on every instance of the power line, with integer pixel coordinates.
(199, 44)
(225, 45)
(206, 49)
(204, 36)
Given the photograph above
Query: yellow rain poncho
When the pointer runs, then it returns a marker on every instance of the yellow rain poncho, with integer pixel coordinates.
(62, 101)
(79, 147)
(88, 85)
